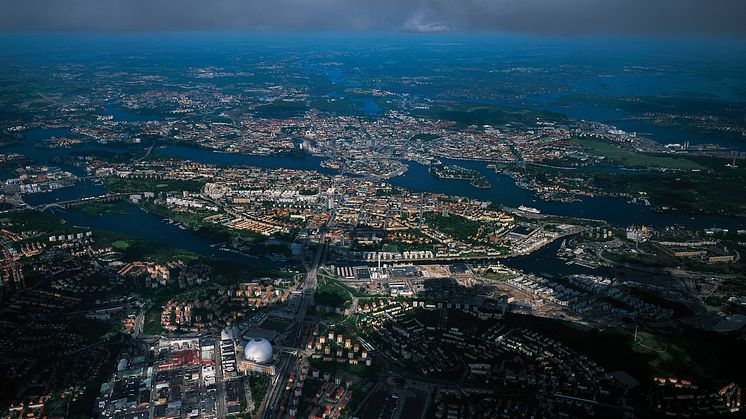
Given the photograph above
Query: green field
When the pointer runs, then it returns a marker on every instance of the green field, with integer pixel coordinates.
(95, 209)
(636, 160)
(259, 384)
(455, 226)
(337, 106)
(330, 297)
(120, 244)
(332, 293)
(143, 250)
(152, 324)
(38, 221)
(663, 356)
(281, 109)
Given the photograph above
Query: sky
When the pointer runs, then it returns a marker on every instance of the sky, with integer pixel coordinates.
(553, 17)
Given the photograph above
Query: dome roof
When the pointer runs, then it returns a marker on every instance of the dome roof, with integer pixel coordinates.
(258, 350)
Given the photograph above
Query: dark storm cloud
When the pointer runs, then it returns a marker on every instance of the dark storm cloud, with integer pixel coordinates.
(716, 17)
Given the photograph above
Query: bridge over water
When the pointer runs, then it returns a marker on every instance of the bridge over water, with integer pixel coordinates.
(72, 202)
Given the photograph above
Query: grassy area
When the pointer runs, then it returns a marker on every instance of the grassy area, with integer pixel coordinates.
(281, 109)
(636, 160)
(259, 384)
(400, 246)
(330, 296)
(56, 405)
(337, 106)
(702, 355)
(95, 209)
(120, 244)
(388, 192)
(144, 250)
(161, 295)
(663, 355)
(455, 226)
(227, 272)
(152, 325)
(39, 221)
(710, 192)
(332, 293)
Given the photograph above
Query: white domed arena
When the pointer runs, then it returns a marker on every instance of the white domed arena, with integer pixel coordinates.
(258, 350)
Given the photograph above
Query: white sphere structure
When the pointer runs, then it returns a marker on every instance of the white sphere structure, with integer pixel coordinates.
(258, 350)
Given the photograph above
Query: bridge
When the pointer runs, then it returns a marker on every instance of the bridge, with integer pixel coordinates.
(67, 204)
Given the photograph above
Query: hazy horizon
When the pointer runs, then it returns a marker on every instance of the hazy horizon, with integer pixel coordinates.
(563, 17)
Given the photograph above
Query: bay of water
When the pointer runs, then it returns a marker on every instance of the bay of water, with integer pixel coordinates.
(142, 225)
(504, 191)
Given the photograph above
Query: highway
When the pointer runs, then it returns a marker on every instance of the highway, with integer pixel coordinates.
(219, 382)
(287, 362)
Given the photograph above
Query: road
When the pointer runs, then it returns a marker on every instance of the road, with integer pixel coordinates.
(219, 382)
(287, 363)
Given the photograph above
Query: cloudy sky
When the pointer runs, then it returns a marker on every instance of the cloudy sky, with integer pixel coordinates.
(567, 17)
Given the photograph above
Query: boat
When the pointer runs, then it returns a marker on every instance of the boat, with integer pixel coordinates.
(529, 209)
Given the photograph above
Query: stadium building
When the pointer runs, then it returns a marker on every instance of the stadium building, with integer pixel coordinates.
(256, 356)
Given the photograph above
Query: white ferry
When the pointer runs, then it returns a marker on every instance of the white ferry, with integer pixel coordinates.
(529, 209)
